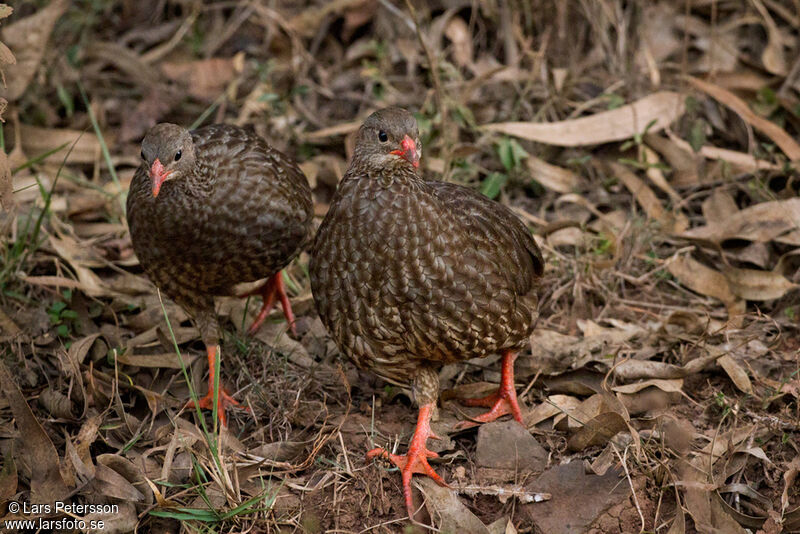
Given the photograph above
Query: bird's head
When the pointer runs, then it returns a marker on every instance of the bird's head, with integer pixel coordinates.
(389, 139)
(167, 153)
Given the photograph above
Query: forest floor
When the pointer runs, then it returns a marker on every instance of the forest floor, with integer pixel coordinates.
(652, 149)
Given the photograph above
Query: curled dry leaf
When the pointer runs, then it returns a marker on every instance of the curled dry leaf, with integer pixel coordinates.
(737, 375)
(28, 38)
(778, 135)
(772, 57)
(670, 386)
(760, 222)
(753, 284)
(657, 111)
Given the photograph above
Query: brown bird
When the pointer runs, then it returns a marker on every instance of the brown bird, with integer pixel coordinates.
(410, 274)
(212, 208)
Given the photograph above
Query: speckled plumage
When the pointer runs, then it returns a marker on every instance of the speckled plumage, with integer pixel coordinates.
(239, 212)
(409, 274)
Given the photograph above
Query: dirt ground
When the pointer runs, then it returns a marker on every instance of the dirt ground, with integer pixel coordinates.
(651, 147)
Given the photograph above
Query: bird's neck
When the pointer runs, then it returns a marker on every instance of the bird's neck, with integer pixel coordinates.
(385, 175)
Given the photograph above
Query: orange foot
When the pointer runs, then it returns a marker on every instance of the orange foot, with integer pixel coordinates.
(416, 459)
(501, 402)
(224, 401)
(272, 287)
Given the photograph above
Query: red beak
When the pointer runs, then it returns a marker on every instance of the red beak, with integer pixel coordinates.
(409, 152)
(158, 174)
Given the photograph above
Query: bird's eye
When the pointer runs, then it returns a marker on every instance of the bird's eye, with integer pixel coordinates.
(178, 155)
(142, 154)
(382, 137)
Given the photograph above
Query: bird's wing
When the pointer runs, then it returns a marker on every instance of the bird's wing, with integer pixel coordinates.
(497, 230)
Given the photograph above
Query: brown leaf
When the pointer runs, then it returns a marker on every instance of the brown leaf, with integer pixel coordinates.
(736, 373)
(625, 122)
(28, 38)
(719, 206)
(47, 484)
(785, 142)
(672, 222)
(555, 404)
(204, 78)
(56, 403)
(121, 522)
(760, 222)
(82, 146)
(597, 431)
(670, 386)
(447, 511)
(457, 31)
(753, 284)
(167, 360)
(788, 481)
(700, 278)
(109, 483)
(551, 176)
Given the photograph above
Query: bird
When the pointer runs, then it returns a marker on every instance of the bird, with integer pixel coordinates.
(410, 274)
(209, 209)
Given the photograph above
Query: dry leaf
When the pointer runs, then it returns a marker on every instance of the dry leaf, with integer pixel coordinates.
(28, 38)
(656, 111)
(700, 278)
(760, 222)
(555, 405)
(772, 57)
(670, 386)
(736, 373)
(551, 176)
(168, 360)
(204, 78)
(597, 431)
(719, 206)
(448, 512)
(785, 142)
(47, 484)
(82, 146)
(673, 223)
(753, 284)
(457, 31)
(56, 403)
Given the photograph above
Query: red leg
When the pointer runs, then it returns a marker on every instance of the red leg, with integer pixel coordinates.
(224, 401)
(502, 402)
(416, 459)
(272, 287)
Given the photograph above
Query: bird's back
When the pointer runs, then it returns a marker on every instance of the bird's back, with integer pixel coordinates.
(242, 215)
